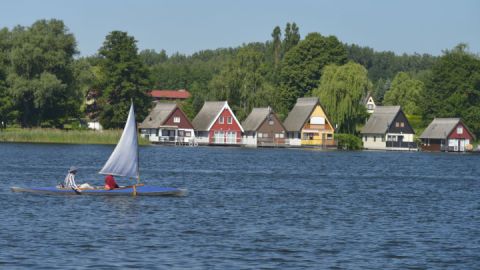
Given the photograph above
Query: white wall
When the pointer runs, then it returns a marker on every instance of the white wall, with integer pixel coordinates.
(374, 145)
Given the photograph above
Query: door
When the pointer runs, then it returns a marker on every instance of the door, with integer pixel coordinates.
(219, 137)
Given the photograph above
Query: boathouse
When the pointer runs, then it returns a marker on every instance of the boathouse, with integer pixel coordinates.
(447, 134)
(167, 123)
(263, 128)
(216, 124)
(308, 125)
(388, 129)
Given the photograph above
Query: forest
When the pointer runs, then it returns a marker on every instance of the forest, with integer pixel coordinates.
(44, 82)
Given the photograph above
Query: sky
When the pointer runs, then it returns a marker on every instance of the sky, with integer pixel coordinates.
(407, 26)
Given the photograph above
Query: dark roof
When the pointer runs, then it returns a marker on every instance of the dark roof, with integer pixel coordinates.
(380, 120)
(158, 115)
(300, 113)
(440, 128)
(174, 94)
(256, 118)
(207, 114)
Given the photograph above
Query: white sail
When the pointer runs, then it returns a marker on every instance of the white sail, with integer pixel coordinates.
(124, 159)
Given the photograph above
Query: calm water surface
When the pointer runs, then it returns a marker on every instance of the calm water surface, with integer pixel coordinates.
(246, 209)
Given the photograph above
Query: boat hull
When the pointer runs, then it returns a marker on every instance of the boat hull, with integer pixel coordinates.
(127, 191)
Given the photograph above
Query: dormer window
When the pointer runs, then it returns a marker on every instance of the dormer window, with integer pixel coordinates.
(459, 130)
(229, 120)
(221, 120)
(176, 119)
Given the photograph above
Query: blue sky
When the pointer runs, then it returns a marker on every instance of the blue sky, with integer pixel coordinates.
(422, 26)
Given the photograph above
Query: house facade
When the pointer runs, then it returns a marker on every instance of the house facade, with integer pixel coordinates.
(308, 125)
(262, 128)
(447, 134)
(167, 123)
(388, 129)
(216, 124)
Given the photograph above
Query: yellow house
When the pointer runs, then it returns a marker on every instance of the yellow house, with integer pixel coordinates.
(308, 124)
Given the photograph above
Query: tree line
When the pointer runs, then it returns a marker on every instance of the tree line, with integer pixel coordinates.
(43, 83)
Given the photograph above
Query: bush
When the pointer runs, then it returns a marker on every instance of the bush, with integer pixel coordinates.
(348, 142)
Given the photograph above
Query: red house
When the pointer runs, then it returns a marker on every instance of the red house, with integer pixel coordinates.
(167, 123)
(216, 124)
(447, 134)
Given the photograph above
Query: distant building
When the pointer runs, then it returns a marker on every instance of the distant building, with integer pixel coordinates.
(167, 123)
(308, 124)
(369, 103)
(388, 129)
(216, 124)
(447, 134)
(263, 128)
(170, 95)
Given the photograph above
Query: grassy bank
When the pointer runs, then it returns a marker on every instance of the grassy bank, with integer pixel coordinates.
(42, 135)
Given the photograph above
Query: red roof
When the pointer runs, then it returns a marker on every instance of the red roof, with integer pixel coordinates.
(173, 94)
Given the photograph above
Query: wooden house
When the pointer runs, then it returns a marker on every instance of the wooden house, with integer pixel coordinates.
(388, 129)
(447, 134)
(308, 125)
(263, 128)
(216, 124)
(167, 123)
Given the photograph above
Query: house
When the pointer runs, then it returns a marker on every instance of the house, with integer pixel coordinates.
(175, 95)
(167, 123)
(216, 124)
(388, 129)
(447, 134)
(263, 128)
(369, 103)
(308, 125)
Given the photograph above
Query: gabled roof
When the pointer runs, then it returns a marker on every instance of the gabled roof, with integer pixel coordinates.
(175, 94)
(300, 113)
(210, 111)
(256, 118)
(158, 115)
(365, 99)
(440, 128)
(380, 120)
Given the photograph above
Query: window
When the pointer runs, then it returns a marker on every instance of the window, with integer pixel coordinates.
(370, 106)
(164, 132)
(220, 120)
(270, 122)
(459, 130)
(265, 135)
(260, 135)
(229, 120)
(181, 133)
(397, 124)
(188, 134)
(329, 136)
(402, 124)
(374, 138)
(176, 119)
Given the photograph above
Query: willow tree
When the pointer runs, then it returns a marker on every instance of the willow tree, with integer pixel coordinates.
(341, 91)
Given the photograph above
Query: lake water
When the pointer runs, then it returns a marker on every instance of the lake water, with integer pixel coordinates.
(246, 209)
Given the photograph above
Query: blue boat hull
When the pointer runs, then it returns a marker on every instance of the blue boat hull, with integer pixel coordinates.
(127, 191)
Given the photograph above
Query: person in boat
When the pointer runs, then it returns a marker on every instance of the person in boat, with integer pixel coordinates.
(70, 178)
(110, 182)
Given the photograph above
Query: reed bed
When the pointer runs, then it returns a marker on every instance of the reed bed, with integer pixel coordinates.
(47, 135)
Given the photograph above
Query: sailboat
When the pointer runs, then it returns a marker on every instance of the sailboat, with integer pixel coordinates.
(122, 162)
